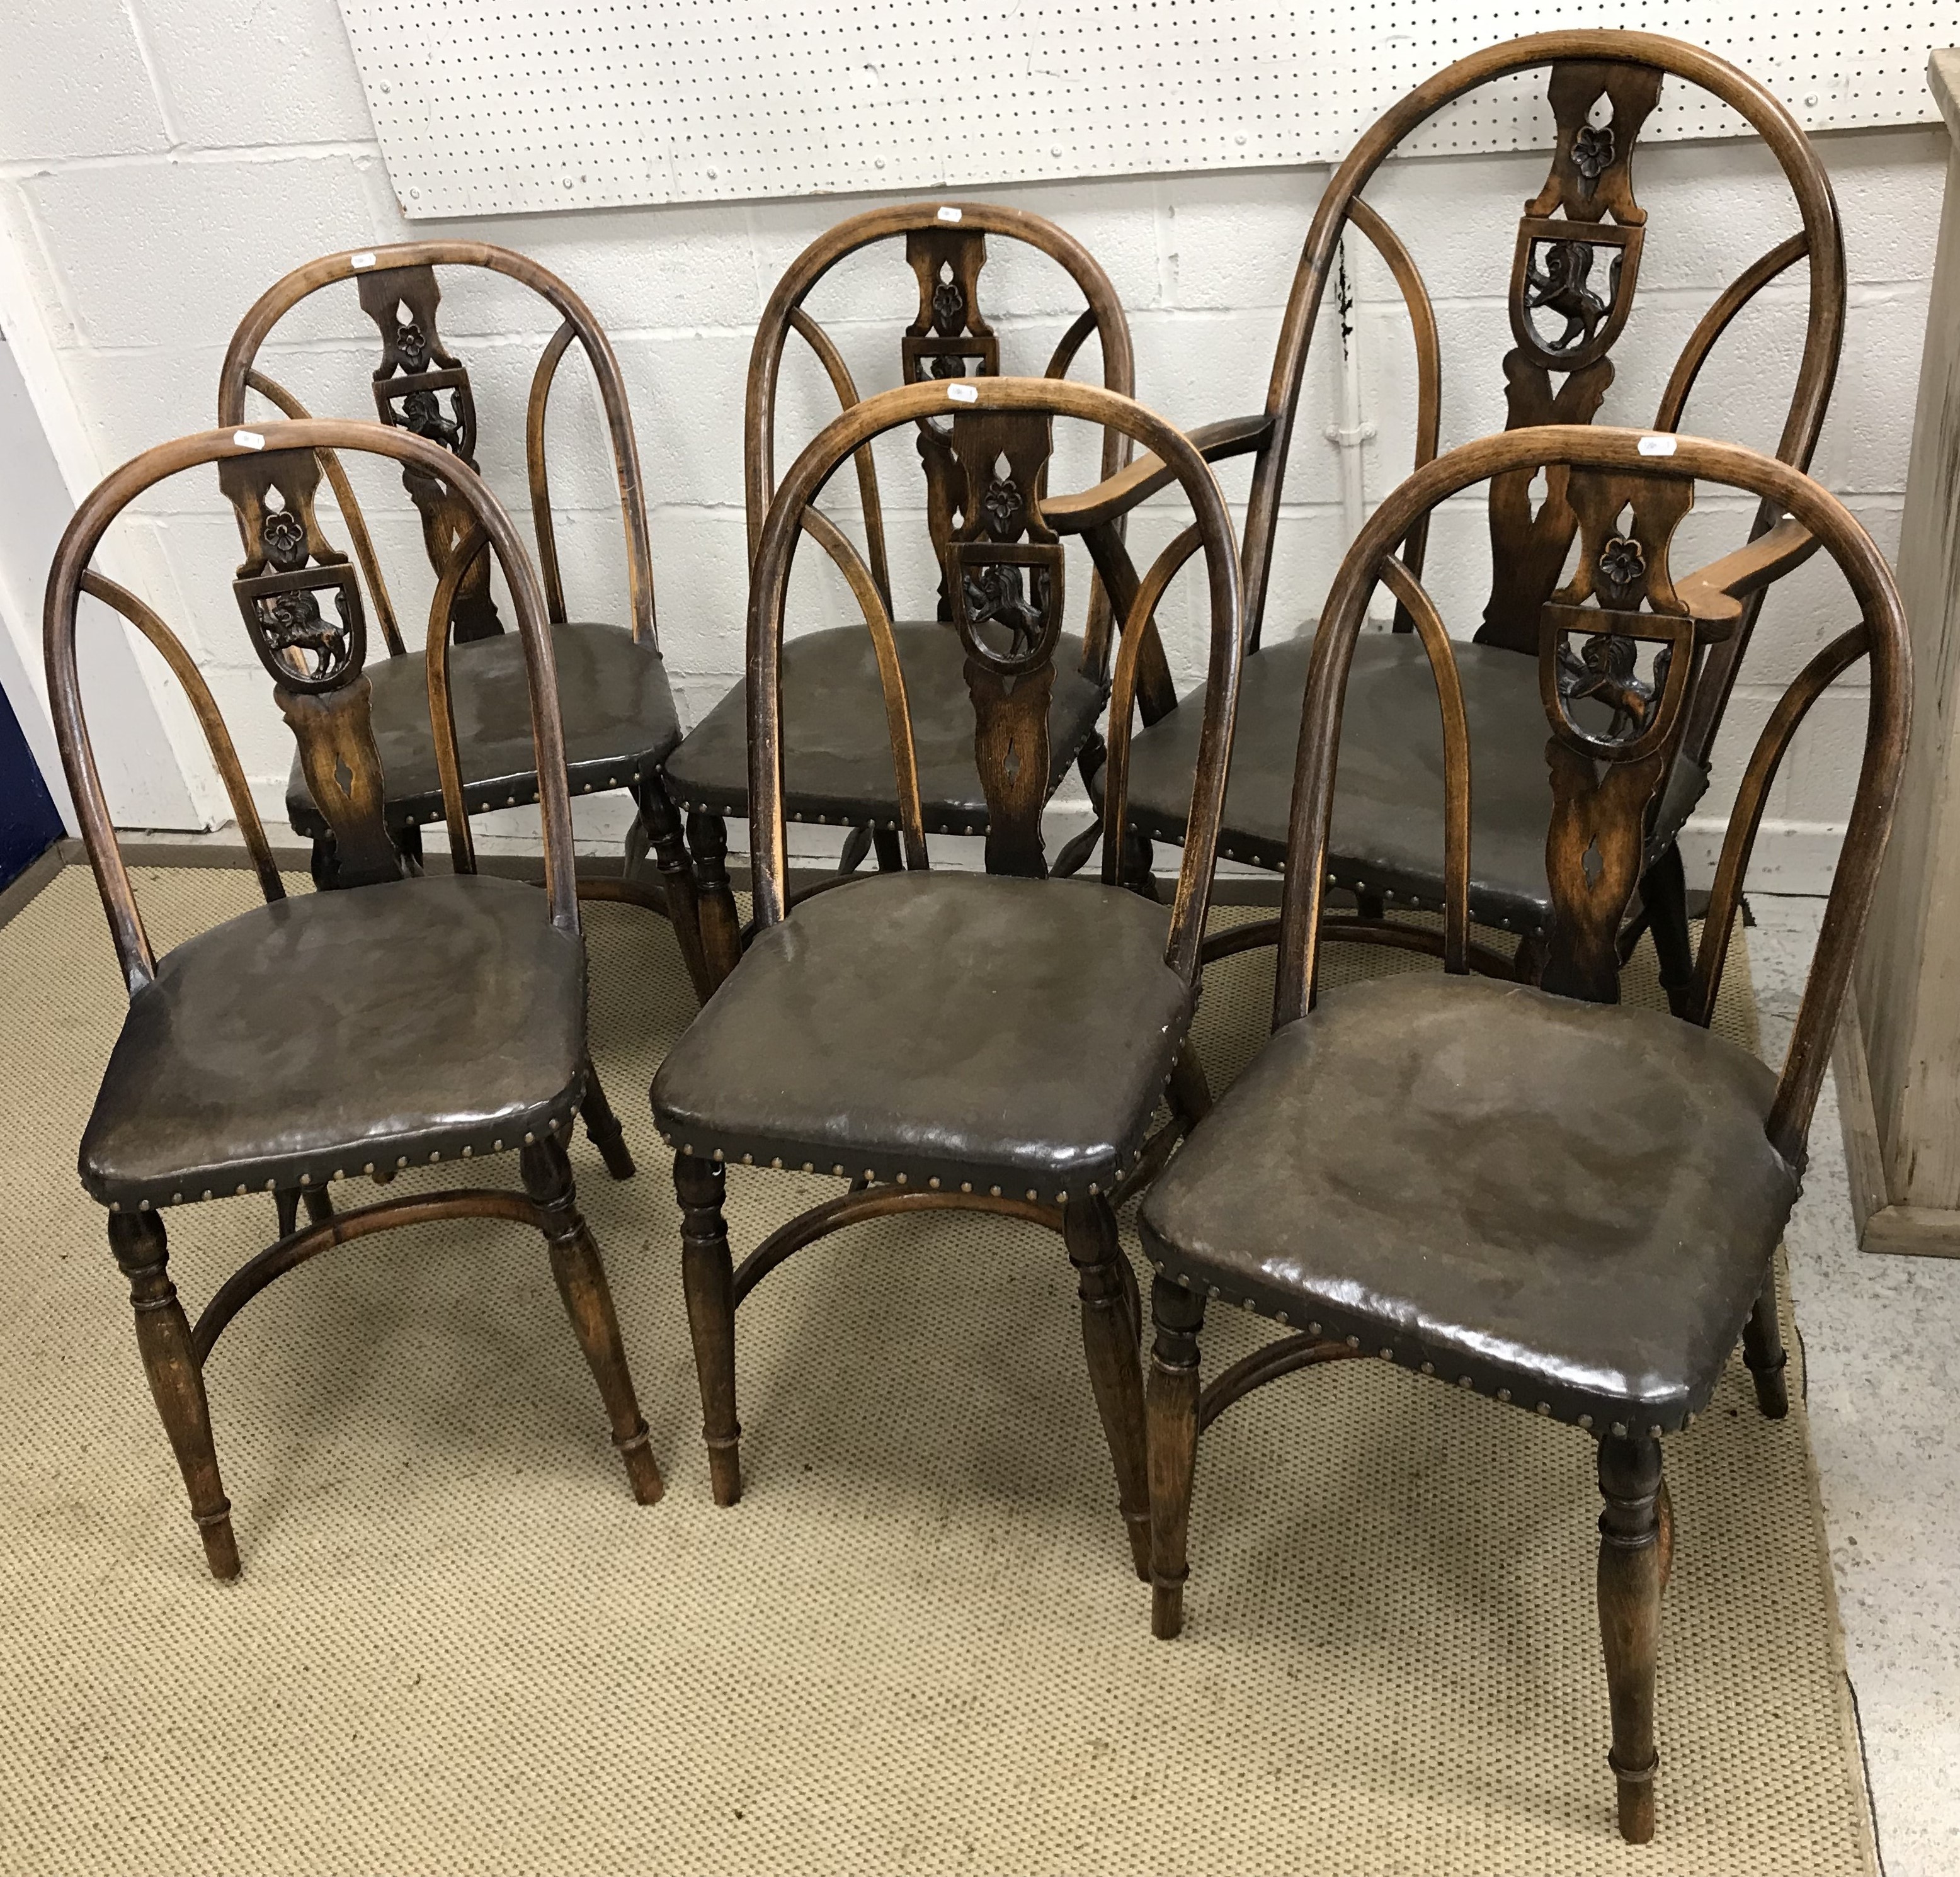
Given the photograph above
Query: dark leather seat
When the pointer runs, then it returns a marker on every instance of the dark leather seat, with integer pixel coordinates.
(955, 1029)
(1389, 797)
(837, 750)
(613, 695)
(1570, 1205)
(307, 1038)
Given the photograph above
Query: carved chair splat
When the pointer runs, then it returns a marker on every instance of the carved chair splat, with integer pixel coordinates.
(621, 720)
(1573, 290)
(1591, 1234)
(939, 1040)
(839, 769)
(224, 1082)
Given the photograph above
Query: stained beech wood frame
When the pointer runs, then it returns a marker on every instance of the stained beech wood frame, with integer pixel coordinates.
(1610, 470)
(1880, 638)
(786, 521)
(784, 314)
(174, 1352)
(674, 897)
(70, 572)
(239, 372)
(1821, 239)
(1269, 434)
(992, 417)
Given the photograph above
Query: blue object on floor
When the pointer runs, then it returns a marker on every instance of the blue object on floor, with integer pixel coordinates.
(29, 823)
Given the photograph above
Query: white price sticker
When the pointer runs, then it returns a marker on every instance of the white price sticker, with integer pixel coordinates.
(949, 214)
(361, 260)
(963, 394)
(1656, 446)
(248, 439)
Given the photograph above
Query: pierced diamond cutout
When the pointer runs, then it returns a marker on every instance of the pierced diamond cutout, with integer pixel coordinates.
(343, 776)
(1011, 766)
(1592, 863)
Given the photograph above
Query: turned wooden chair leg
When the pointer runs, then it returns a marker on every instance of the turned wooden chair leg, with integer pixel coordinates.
(1763, 1350)
(1179, 1314)
(602, 1128)
(891, 859)
(1109, 1340)
(721, 929)
(1369, 905)
(708, 1278)
(286, 1199)
(588, 1302)
(857, 845)
(176, 1378)
(660, 821)
(1631, 1572)
(1664, 897)
(318, 1203)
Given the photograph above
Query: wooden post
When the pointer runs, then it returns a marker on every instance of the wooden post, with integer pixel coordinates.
(1898, 1049)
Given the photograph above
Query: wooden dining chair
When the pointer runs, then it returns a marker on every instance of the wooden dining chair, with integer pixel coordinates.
(620, 721)
(837, 763)
(951, 1038)
(1574, 275)
(1535, 1193)
(409, 1020)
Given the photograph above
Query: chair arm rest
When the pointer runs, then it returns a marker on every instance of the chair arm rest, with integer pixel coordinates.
(1107, 500)
(1714, 594)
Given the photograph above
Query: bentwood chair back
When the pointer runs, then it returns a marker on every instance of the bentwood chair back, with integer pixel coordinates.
(620, 720)
(838, 768)
(1575, 318)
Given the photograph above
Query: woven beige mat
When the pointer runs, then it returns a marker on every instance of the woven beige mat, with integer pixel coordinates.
(917, 1645)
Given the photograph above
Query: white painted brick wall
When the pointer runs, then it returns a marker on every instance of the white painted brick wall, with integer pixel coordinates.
(161, 161)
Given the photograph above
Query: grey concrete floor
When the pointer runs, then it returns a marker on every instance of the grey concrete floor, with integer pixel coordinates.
(1880, 1336)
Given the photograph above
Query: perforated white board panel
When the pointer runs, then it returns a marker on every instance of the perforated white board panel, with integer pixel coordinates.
(509, 106)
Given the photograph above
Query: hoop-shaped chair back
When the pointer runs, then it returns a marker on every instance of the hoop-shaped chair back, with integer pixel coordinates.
(1616, 726)
(950, 338)
(313, 652)
(1004, 568)
(1574, 275)
(422, 387)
